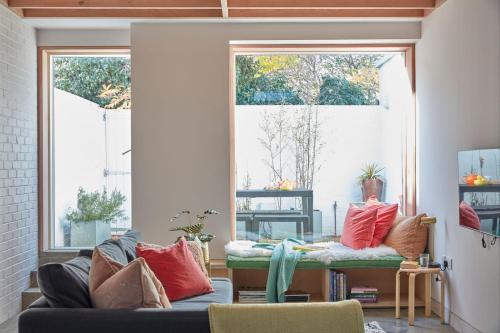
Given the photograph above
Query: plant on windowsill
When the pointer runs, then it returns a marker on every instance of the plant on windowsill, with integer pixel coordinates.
(194, 231)
(90, 221)
(371, 181)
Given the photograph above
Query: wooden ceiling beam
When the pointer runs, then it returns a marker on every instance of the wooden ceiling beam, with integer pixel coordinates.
(123, 13)
(114, 4)
(17, 11)
(338, 4)
(325, 13)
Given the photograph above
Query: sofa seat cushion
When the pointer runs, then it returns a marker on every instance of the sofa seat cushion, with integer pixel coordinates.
(223, 294)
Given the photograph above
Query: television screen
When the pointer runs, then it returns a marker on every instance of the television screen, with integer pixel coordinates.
(479, 190)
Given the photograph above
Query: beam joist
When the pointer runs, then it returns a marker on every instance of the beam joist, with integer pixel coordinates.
(114, 4)
(337, 4)
(123, 13)
(325, 13)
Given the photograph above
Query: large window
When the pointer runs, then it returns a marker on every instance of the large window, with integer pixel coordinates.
(86, 146)
(308, 127)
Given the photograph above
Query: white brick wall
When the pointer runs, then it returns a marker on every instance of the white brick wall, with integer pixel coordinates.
(18, 149)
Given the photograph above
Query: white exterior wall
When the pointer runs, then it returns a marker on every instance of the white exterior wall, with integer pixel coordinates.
(80, 154)
(18, 151)
(352, 136)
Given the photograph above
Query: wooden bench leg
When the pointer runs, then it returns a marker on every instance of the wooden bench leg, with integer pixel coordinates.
(398, 296)
(428, 278)
(411, 299)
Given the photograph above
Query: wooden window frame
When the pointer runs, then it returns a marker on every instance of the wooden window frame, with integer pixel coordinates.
(409, 146)
(44, 121)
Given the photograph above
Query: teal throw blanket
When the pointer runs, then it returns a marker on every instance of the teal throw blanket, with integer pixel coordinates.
(281, 268)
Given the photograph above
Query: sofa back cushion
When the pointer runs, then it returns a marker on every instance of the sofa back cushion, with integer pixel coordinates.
(408, 236)
(129, 241)
(66, 285)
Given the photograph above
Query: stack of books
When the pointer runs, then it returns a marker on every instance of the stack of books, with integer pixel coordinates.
(252, 296)
(364, 294)
(338, 286)
(297, 296)
(259, 296)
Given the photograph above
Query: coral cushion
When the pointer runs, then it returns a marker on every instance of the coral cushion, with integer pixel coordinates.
(359, 225)
(408, 236)
(468, 216)
(386, 215)
(193, 246)
(177, 270)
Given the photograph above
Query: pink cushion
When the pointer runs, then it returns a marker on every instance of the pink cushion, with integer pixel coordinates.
(386, 214)
(359, 225)
(177, 270)
(468, 216)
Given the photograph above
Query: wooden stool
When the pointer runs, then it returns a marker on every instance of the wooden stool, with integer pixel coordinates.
(411, 291)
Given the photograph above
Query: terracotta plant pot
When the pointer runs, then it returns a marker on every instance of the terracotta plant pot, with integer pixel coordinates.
(371, 187)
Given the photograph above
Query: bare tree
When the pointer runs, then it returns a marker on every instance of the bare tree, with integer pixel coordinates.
(245, 204)
(306, 78)
(276, 140)
(276, 128)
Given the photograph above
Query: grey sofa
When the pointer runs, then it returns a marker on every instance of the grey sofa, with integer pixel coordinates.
(189, 315)
(66, 307)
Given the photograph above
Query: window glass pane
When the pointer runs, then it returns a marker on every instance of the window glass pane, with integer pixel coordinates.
(90, 149)
(306, 127)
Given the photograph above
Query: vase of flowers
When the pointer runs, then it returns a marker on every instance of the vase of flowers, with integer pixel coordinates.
(193, 231)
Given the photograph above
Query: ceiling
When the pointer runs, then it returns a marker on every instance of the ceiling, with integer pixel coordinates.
(222, 9)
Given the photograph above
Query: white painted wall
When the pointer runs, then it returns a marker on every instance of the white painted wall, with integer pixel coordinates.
(83, 37)
(180, 122)
(458, 89)
(18, 151)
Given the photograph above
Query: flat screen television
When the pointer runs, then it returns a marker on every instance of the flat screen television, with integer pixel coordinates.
(479, 190)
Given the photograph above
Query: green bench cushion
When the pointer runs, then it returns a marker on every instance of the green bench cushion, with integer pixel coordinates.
(263, 263)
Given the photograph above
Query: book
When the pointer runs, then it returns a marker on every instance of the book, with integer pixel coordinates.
(409, 265)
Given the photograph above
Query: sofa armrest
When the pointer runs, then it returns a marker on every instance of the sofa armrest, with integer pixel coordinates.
(51, 320)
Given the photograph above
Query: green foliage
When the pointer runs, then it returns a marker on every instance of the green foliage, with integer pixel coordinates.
(91, 77)
(95, 206)
(339, 91)
(340, 79)
(255, 86)
(370, 171)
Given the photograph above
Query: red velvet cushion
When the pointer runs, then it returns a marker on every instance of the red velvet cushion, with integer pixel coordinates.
(468, 216)
(386, 214)
(177, 270)
(359, 225)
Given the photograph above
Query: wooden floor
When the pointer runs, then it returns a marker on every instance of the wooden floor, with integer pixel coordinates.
(385, 317)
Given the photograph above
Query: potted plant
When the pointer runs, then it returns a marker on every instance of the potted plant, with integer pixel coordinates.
(194, 231)
(371, 181)
(90, 221)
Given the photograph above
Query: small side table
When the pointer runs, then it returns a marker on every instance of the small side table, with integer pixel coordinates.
(428, 272)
